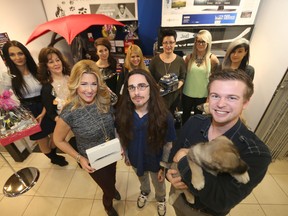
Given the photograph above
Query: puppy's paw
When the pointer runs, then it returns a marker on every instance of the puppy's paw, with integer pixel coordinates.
(189, 197)
(172, 198)
(198, 182)
(242, 178)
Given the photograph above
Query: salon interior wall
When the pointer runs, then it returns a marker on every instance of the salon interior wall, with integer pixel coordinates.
(268, 55)
(19, 18)
(268, 45)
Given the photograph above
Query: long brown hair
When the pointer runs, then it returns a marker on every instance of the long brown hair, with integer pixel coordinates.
(43, 58)
(157, 114)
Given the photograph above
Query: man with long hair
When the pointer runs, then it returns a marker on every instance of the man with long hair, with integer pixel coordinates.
(146, 131)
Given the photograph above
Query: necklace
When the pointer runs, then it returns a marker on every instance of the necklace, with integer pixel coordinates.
(167, 69)
(102, 126)
(199, 61)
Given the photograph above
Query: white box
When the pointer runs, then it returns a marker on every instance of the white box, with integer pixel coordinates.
(104, 154)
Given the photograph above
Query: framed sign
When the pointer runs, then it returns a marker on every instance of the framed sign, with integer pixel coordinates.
(3, 39)
(123, 10)
(208, 12)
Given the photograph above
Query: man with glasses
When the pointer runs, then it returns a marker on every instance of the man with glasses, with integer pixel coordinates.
(146, 131)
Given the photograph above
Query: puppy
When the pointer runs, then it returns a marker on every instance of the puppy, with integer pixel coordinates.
(217, 156)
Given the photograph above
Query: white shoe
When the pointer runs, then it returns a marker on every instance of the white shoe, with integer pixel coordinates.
(141, 201)
(161, 208)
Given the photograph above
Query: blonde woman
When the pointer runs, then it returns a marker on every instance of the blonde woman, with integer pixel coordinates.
(134, 60)
(88, 114)
(200, 64)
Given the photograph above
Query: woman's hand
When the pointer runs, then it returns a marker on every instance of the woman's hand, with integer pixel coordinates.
(84, 162)
(39, 118)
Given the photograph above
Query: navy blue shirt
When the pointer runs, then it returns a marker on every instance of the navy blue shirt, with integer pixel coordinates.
(222, 192)
(139, 155)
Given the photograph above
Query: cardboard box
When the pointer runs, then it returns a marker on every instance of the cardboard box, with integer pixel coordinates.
(104, 154)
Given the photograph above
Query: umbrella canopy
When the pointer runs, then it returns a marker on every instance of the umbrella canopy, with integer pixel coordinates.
(70, 26)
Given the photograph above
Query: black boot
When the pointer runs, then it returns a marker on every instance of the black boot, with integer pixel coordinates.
(56, 159)
(54, 150)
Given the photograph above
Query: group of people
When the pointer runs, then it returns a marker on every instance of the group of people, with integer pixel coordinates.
(80, 101)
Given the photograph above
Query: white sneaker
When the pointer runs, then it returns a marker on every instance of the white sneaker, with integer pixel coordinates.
(161, 208)
(141, 201)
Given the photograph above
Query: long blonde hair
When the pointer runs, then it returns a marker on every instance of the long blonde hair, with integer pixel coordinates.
(134, 49)
(207, 37)
(102, 99)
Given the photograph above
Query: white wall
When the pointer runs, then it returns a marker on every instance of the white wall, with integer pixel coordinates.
(269, 47)
(268, 44)
(19, 18)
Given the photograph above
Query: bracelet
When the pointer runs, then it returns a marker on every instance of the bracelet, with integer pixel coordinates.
(78, 157)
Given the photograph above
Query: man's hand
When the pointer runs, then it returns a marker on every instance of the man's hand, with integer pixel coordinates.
(174, 178)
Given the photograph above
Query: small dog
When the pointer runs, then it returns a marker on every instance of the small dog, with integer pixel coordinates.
(217, 156)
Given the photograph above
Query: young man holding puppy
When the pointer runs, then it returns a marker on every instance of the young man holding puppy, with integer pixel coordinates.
(229, 92)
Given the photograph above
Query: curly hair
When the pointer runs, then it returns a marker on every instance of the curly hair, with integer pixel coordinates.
(43, 58)
(157, 114)
(18, 83)
(102, 99)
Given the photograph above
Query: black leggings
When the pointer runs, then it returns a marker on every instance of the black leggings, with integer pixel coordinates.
(106, 179)
(189, 104)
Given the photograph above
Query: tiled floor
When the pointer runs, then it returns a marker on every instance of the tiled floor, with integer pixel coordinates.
(70, 191)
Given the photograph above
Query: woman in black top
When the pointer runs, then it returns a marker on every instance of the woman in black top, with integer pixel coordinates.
(237, 57)
(27, 88)
(106, 63)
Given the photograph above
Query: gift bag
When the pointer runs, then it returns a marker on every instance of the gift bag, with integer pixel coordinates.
(16, 122)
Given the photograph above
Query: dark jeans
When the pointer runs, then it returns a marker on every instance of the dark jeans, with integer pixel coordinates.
(189, 104)
(106, 179)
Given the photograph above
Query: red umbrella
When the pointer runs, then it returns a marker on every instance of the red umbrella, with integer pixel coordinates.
(70, 26)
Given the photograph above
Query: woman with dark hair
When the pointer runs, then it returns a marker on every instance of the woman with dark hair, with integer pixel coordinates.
(54, 72)
(167, 63)
(88, 113)
(237, 57)
(27, 88)
(146, 131)
(106, 63)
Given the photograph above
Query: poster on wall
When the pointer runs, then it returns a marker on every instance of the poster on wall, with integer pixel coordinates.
(3, 39)
(123, 10)
(208, 12)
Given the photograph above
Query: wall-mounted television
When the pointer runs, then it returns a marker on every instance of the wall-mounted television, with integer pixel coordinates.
(217, 5)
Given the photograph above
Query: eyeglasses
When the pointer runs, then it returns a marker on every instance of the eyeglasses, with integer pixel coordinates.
(168, 43)
(201, 42)
(140, 87)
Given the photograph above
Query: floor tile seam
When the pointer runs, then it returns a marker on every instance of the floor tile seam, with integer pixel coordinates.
(279, 186)
(68, 185)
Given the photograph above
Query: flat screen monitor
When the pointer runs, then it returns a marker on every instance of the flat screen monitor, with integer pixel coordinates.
(220, 4)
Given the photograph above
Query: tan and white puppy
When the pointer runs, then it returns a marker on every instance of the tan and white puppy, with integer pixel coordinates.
(217, 156)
